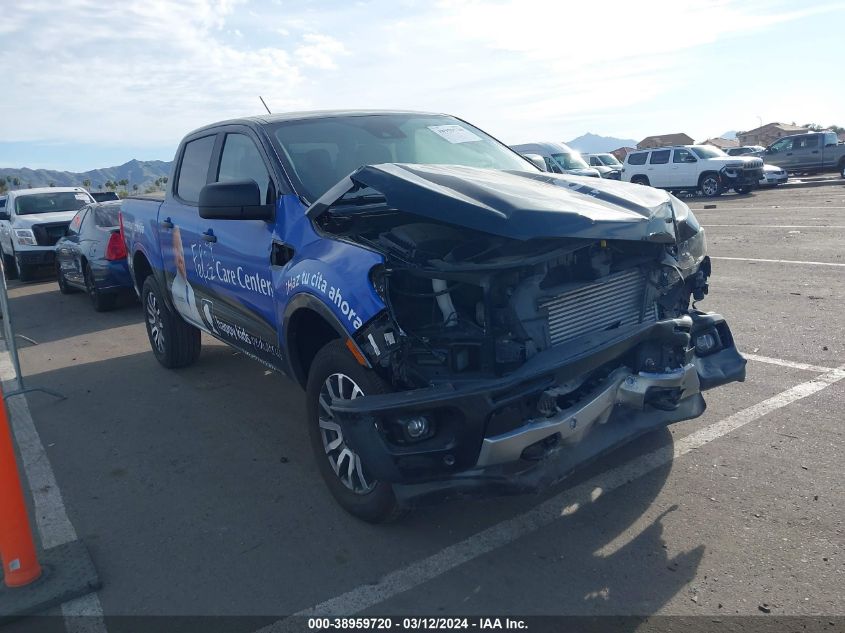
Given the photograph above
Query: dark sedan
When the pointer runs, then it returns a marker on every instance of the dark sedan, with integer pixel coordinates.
(92, 256)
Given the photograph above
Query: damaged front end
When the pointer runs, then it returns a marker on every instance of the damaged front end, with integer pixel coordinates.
(532, 322)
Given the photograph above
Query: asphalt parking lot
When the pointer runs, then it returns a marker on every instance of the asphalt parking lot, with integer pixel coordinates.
(196, 492)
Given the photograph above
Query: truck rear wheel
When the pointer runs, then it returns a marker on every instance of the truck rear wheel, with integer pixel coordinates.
(336, 375)
(175, 343)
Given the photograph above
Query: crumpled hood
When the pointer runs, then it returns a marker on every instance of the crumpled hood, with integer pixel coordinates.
(516, 204)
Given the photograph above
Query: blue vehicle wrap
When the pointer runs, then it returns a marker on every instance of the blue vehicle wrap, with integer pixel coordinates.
(236, 294)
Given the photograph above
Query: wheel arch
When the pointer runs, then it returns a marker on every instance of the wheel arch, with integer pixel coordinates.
(709, 172)
(307, 326)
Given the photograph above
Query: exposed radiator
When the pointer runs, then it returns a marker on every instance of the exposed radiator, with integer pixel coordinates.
(614, 301)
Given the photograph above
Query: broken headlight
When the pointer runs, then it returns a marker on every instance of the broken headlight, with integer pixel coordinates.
(692, 243)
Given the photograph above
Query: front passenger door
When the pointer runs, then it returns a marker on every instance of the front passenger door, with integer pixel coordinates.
(780, 153)
(684, 171)
(239, 251)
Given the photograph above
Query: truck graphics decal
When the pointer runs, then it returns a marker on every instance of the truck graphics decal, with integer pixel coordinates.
(210, 268)
(317, 284)
(207, 308)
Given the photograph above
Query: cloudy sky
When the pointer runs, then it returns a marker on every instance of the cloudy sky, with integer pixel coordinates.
(91, 84)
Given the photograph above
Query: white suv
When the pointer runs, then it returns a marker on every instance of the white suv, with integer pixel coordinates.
(693, 167)
(32, 221)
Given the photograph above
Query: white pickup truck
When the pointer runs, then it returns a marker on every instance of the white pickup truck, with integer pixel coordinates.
(32, 221)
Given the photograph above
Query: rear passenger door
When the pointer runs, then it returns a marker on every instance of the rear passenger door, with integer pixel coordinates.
(658, 168)
(806, 150)
(180, 228)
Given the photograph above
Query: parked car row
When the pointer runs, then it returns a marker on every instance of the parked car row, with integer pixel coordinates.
(462, 321)
(558, 158)
(32, 221)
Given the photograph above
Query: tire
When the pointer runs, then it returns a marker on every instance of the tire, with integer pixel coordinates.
(9, 265)
(842, 169)
(742, 190)
(640, 180)
(64, 287)
(101, 301)
(709, 185)
(24, 271)
(174, 342)
(334, 369)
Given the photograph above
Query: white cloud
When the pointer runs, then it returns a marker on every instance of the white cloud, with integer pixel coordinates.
(320, 51)
(147, 71)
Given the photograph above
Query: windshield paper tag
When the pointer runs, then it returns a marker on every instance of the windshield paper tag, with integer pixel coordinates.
(81, 197)
(454, 133)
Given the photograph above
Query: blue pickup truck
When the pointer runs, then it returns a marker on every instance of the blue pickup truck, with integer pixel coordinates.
(462, 323)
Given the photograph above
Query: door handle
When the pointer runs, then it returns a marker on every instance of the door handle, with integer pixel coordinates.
(789, 153)
(167, 223)
(209, 236)
(815, 151)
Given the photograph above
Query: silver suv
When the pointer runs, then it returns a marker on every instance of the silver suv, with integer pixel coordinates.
(693, 167)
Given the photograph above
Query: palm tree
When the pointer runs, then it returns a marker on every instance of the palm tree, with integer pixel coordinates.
(134, 187)
(86, 183)
(123, 182)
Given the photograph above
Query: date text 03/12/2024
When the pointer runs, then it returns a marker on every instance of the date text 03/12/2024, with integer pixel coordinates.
(416, 623)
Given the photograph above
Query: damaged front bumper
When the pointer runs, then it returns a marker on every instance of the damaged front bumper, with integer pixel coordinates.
(490, 438)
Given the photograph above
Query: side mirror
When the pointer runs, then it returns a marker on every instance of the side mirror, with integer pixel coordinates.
(4, 215)
(538, 161)
(233, 200)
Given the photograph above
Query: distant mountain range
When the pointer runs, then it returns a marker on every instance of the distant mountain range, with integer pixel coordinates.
(138, 172)
(591, 143)
(729, 135)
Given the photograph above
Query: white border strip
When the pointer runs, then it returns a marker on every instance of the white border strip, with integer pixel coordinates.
(777, 261)
(786, 363)
(54, 526)
(567, 502)
(779, 226)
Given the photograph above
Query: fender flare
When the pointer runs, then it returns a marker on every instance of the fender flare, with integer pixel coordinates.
(307, 301)
(157, 273)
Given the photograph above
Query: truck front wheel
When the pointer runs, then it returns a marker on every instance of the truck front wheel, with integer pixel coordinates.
(175, 343)
(710, 185)
(24, 271)
(336, 375)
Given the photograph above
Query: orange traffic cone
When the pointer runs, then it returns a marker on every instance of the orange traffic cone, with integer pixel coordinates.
(17, 549)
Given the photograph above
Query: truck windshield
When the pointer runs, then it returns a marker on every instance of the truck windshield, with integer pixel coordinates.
(320, 152)
(51, 202)
(570, 161)
(609, 159)
(704, 151)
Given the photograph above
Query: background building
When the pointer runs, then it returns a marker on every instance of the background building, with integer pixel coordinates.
(665, 140)
(721, 143)
(768, 134)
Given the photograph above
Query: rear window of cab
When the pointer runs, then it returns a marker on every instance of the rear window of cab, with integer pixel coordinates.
(638, 158)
